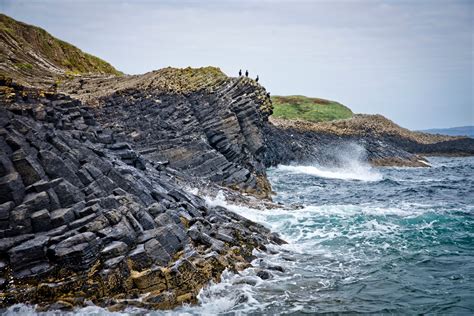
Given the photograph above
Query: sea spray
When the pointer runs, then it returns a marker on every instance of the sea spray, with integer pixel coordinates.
(347, 161)
(403, 245)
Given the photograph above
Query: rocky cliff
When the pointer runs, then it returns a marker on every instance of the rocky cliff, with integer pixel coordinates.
(386, 143)
(200, 121)
(94, 174)
(84, 216)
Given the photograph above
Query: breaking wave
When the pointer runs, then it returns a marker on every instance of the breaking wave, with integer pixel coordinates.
(345, 162)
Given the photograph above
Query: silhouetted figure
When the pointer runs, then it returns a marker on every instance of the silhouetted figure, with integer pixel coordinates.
(246, 73)
(268, 94)
(240, 73)
(256, 79)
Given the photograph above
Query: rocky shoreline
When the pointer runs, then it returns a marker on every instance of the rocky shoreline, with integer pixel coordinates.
(87, 218)
(95, 202)
(385, 143)
(99, 173)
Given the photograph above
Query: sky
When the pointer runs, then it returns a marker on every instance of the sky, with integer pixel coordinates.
(411, 61)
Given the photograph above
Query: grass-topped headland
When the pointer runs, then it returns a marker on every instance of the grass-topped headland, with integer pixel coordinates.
(185, 80)
(29, 53)
(297, 107)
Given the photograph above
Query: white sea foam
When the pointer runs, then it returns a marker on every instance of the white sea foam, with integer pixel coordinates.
(345, 162)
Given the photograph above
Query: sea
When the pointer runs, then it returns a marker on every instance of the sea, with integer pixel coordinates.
(361, 239)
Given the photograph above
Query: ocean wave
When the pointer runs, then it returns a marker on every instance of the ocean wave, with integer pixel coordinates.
(359, 172)
(344, 162)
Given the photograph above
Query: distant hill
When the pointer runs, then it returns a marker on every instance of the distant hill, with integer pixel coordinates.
(297, 107)
(30, 55)
(453, 131)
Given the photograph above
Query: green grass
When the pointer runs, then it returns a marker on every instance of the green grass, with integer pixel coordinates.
(24, 66)
(57, 52)
(308, 109)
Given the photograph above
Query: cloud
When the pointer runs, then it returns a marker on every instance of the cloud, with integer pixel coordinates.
(409, 60)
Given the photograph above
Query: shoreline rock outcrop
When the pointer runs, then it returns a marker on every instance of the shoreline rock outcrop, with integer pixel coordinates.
(86, 217)
(385, 143)
(200, 121)
(95, 172)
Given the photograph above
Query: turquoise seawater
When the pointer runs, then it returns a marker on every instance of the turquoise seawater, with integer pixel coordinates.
(360, 240)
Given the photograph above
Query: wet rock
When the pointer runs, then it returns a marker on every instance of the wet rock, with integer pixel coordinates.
(139, 258)
(246, 280)
(122, 231)
(114, 228)
(275, 268)
(166, 219)
(203, 238)
(113, 262)
(157, 252)
(150, 280)
(171, 237)
(264, 275)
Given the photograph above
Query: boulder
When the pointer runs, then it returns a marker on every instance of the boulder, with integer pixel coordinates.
(30, 251)
(55, 167)
(11, 188)
(62, 216)
(41, 221)
(5, 209)
(157, 252)
(28, 167)
(68, 193)
(77, 252)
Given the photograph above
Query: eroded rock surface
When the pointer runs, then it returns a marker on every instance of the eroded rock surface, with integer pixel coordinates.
(199, 121)
(83, 216)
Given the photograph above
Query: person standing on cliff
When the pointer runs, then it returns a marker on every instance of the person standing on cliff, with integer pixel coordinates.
(246, 73)
(240, 73)
(256, 79)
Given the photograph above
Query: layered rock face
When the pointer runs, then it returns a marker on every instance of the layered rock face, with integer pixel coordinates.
(202, 122)
(83, 216)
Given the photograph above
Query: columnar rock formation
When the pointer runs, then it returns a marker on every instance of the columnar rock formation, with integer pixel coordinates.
(202, 122)
(93, 180)
(85, 217)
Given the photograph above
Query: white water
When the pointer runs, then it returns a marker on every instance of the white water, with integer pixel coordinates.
(353, 172)
(332, 249)
(345, 162)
